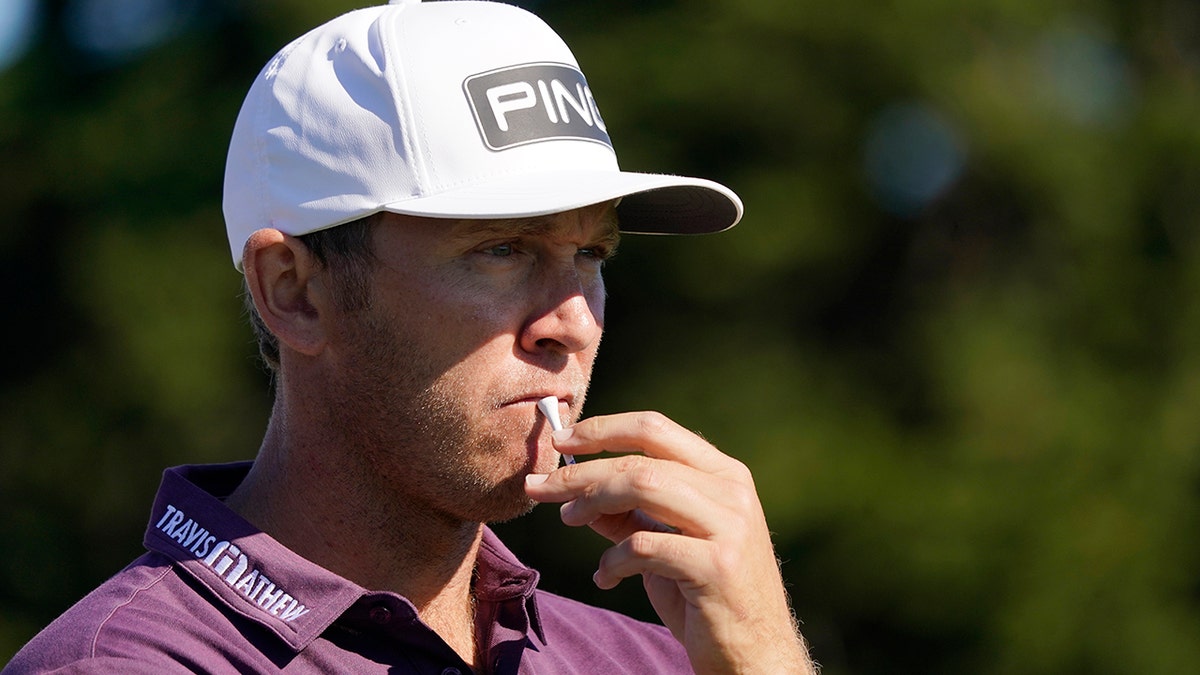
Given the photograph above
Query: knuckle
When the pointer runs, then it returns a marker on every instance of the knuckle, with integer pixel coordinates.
(590, 492)
(587, 492)
(641, 473)
(727, 562)
(641, 544)
(652, 422)
(593, 427)
(629, 463)
(743, 499)
(740, 472)
(645, 477)
(569, 474)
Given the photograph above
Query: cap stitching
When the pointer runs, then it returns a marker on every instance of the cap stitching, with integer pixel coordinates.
(400, 96)
(262, 159)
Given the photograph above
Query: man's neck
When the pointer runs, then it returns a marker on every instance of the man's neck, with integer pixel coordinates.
(373, 540)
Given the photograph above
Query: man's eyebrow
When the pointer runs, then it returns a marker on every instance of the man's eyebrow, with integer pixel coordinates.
(610, 235)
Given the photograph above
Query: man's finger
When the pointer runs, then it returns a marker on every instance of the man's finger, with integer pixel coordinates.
(669, 556)
(650, 433)
(617, 527)
(670, 493)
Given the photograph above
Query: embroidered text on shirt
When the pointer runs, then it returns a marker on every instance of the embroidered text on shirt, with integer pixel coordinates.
(223, 555)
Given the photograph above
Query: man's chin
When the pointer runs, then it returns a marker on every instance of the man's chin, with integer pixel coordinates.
(501, 502)
(505, 498)
(516, 511)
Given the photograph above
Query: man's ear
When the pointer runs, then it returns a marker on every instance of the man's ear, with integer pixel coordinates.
(285, 282)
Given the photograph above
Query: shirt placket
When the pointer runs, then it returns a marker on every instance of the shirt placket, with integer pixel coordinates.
(504, 628)
(415, 647)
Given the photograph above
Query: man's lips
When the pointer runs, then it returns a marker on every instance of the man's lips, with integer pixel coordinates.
(565, 402)
(532, 399)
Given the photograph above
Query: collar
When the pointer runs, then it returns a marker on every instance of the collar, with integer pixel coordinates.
(500, 578)
(254, 575)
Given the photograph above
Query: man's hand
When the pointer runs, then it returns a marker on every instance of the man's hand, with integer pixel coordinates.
(687, 519)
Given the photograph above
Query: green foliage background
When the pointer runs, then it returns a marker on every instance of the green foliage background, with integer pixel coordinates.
(973, 421)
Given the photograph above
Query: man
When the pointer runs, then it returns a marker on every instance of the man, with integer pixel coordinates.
(421, 198)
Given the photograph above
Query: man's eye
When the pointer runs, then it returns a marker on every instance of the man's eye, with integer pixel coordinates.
(500, 250)
(598, 254)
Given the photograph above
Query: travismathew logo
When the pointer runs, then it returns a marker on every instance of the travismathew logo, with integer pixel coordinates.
(230, 564)
(534, 102)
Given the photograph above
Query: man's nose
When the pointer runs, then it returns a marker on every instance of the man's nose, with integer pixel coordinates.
(568, 319)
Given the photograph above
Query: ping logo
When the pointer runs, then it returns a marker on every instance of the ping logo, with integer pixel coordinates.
(534, 102)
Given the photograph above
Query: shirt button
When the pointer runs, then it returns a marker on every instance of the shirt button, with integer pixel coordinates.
(451, 671)
(381, 614)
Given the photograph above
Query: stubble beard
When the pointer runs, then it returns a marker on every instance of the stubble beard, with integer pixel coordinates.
(414, 442)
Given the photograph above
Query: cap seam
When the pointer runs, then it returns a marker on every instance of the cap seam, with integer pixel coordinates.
(400, 97)
(262, 156)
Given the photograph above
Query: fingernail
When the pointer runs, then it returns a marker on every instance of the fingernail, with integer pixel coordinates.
(536, 478)
(563, 434)
(602, 582)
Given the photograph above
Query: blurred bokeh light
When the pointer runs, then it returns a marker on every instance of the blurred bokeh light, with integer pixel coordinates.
(18, 21)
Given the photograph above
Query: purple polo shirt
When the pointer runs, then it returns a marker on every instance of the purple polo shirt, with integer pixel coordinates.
(216, 595)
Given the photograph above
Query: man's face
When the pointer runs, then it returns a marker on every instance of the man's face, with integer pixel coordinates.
(470, 323)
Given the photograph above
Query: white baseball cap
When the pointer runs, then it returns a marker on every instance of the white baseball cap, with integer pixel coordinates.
(452, 109)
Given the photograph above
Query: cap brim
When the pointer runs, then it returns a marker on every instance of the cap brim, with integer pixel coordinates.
(650, 203)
